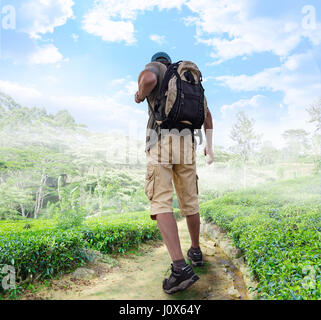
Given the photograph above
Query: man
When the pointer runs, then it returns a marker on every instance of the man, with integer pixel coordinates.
(160, 175)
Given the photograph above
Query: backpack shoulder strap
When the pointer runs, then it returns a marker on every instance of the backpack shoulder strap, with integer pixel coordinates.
(172, 69)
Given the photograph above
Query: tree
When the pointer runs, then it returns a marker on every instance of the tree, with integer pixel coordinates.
(13, 200)
(27, 170)
(38, 151)
(315, 117)
(64, 119)
(245, 138)
(268, 154)
(315, 114)
(316, 147)
(297, 142)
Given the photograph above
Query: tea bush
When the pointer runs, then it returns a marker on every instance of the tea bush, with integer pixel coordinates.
(41, 254)
(44, 249)
(119, 234)
(278, 228)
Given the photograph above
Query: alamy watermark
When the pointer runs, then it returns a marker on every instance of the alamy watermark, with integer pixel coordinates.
(8, 17)
(309, 281)
(7, 20)
(9, 279)
(309, 21)
(164, 147)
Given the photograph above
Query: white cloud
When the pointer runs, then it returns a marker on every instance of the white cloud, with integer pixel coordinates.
(38, 17)
(298, 78)
(132, 87)
(243, 103)
(75, 37)
(25, 94)
(158, 39)
(47, 54)
(232, 31)
(269, 122)
(100, 113)
(125, 91)
(119, 81)
(98, 23)
(123, 87)
(113, 20)
(243, 82)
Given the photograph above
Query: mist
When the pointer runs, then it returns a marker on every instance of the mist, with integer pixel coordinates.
(48, 160)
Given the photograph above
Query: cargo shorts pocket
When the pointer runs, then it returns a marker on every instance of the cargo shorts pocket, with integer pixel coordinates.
(149, 182)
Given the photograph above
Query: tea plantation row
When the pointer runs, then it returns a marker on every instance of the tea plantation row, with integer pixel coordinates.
(39, 249)
(278, 228)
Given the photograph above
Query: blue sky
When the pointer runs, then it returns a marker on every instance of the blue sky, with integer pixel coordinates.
(262, 57)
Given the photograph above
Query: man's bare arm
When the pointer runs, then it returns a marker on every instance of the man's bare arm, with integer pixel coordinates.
(147, 81)
(208, 129)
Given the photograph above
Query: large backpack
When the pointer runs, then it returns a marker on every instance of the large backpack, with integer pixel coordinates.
(181, 102)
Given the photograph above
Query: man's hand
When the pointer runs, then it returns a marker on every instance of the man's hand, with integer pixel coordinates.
(208, 151)
(137, 98)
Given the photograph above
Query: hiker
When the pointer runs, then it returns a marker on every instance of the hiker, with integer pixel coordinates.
(170, 151)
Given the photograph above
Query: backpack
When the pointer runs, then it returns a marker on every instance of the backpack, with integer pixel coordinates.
(181, 103)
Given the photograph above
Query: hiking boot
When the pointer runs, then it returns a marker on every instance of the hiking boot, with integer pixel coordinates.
(195, 257)
(179, 281)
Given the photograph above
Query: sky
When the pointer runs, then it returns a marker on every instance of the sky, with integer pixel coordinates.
(260, 57)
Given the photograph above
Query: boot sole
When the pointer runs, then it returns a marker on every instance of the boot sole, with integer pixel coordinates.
(183, 285)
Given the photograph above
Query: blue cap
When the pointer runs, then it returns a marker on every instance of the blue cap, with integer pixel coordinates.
(161, 55)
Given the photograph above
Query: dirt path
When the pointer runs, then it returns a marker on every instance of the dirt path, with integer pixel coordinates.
(139, 277)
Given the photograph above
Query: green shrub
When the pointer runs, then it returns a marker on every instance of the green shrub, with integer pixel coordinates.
(47, 248)
(41, 254)
(70, 218)
(278, 228)
(118, 237)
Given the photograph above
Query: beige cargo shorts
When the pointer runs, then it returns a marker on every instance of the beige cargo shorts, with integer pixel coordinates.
(172, 160)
